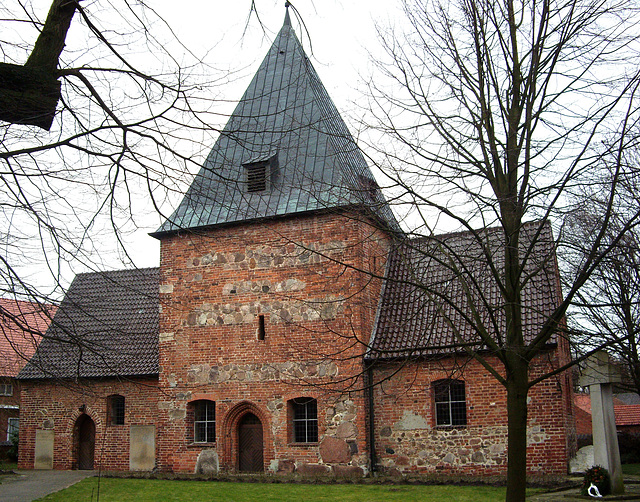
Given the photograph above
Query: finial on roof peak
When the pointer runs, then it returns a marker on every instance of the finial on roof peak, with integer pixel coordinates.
(287, 19)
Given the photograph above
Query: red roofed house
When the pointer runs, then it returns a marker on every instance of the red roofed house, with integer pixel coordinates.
(627, 415)
(20, 326)
(285, 285)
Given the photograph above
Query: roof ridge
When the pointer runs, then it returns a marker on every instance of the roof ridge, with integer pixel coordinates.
(487, 230)
(120, 270)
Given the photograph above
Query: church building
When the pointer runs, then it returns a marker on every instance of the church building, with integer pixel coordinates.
(291, 326)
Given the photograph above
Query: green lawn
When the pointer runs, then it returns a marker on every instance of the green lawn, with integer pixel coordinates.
(142, 490)
(631, 469)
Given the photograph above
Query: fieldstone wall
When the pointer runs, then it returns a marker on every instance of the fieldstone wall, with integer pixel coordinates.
(303, 274)
(424, 446)
(261, 372)
(291, 254)
(408, 440)
(280, 310)
(338, 451)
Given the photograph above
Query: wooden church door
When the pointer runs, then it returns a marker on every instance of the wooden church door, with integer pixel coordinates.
(250, 444)
(86, 442)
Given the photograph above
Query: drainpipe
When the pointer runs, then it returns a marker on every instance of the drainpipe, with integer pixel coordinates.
(373, 461)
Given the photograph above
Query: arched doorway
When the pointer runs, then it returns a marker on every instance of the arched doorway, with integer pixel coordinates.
(85, 432)
(250, 444)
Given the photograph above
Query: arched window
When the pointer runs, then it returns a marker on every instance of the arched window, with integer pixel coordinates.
(204, 421)
(115, 409)
(450, 403)
(304, 420)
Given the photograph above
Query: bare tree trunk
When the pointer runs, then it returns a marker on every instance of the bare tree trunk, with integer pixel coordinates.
(517, 387)
(29, 94)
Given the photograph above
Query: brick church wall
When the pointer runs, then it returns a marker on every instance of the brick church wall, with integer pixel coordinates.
(315, 279)
(408, 440)
(57, 406)
(304, 275)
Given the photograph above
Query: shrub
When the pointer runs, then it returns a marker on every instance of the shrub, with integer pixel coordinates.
(12, 453)
(599, 476)
(629, 444)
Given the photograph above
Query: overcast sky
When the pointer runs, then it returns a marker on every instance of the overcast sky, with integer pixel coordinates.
(338, 34)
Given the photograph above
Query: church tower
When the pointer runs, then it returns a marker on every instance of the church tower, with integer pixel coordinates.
(267, 297)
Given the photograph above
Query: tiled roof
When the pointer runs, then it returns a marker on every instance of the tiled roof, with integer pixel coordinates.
(287, 120)
(424, 309)
(627, 414)
(583, 401)
(106, 325)
(21, 326)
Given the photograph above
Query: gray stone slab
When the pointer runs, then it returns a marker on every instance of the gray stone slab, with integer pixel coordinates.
(208, 462)
(142, 447)
(44, 449)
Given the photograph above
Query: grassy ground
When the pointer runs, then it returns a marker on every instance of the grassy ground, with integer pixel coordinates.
(5, 465)
(632, 469)
(143, 490)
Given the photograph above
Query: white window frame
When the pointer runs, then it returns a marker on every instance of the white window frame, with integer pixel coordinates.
(204, 430)
(304, 420)
(450, 405)
(13, 424)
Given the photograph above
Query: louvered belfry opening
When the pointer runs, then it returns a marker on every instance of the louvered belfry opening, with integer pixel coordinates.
(256, 176)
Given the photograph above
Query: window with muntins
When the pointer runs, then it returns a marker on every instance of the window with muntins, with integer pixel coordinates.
(305, 420)
(450, 402)
(204, 422)
(6, 389)
(115, 410)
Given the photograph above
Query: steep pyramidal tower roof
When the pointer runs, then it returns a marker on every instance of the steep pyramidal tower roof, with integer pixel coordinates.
(285, 150)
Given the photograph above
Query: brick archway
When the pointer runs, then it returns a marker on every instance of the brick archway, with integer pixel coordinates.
(84, 442)
(230, 437)
(74, 420)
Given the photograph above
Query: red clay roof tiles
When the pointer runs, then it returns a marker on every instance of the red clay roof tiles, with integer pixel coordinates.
(21, 326)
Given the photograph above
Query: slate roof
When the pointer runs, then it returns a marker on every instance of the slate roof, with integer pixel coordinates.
(106, 325)
(424, 309)
(21, 326)
(285, 117)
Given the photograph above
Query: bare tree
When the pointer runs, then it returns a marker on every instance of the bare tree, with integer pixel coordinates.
(607, 308)
(30, 92)
(102, 114)
(494, 113)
